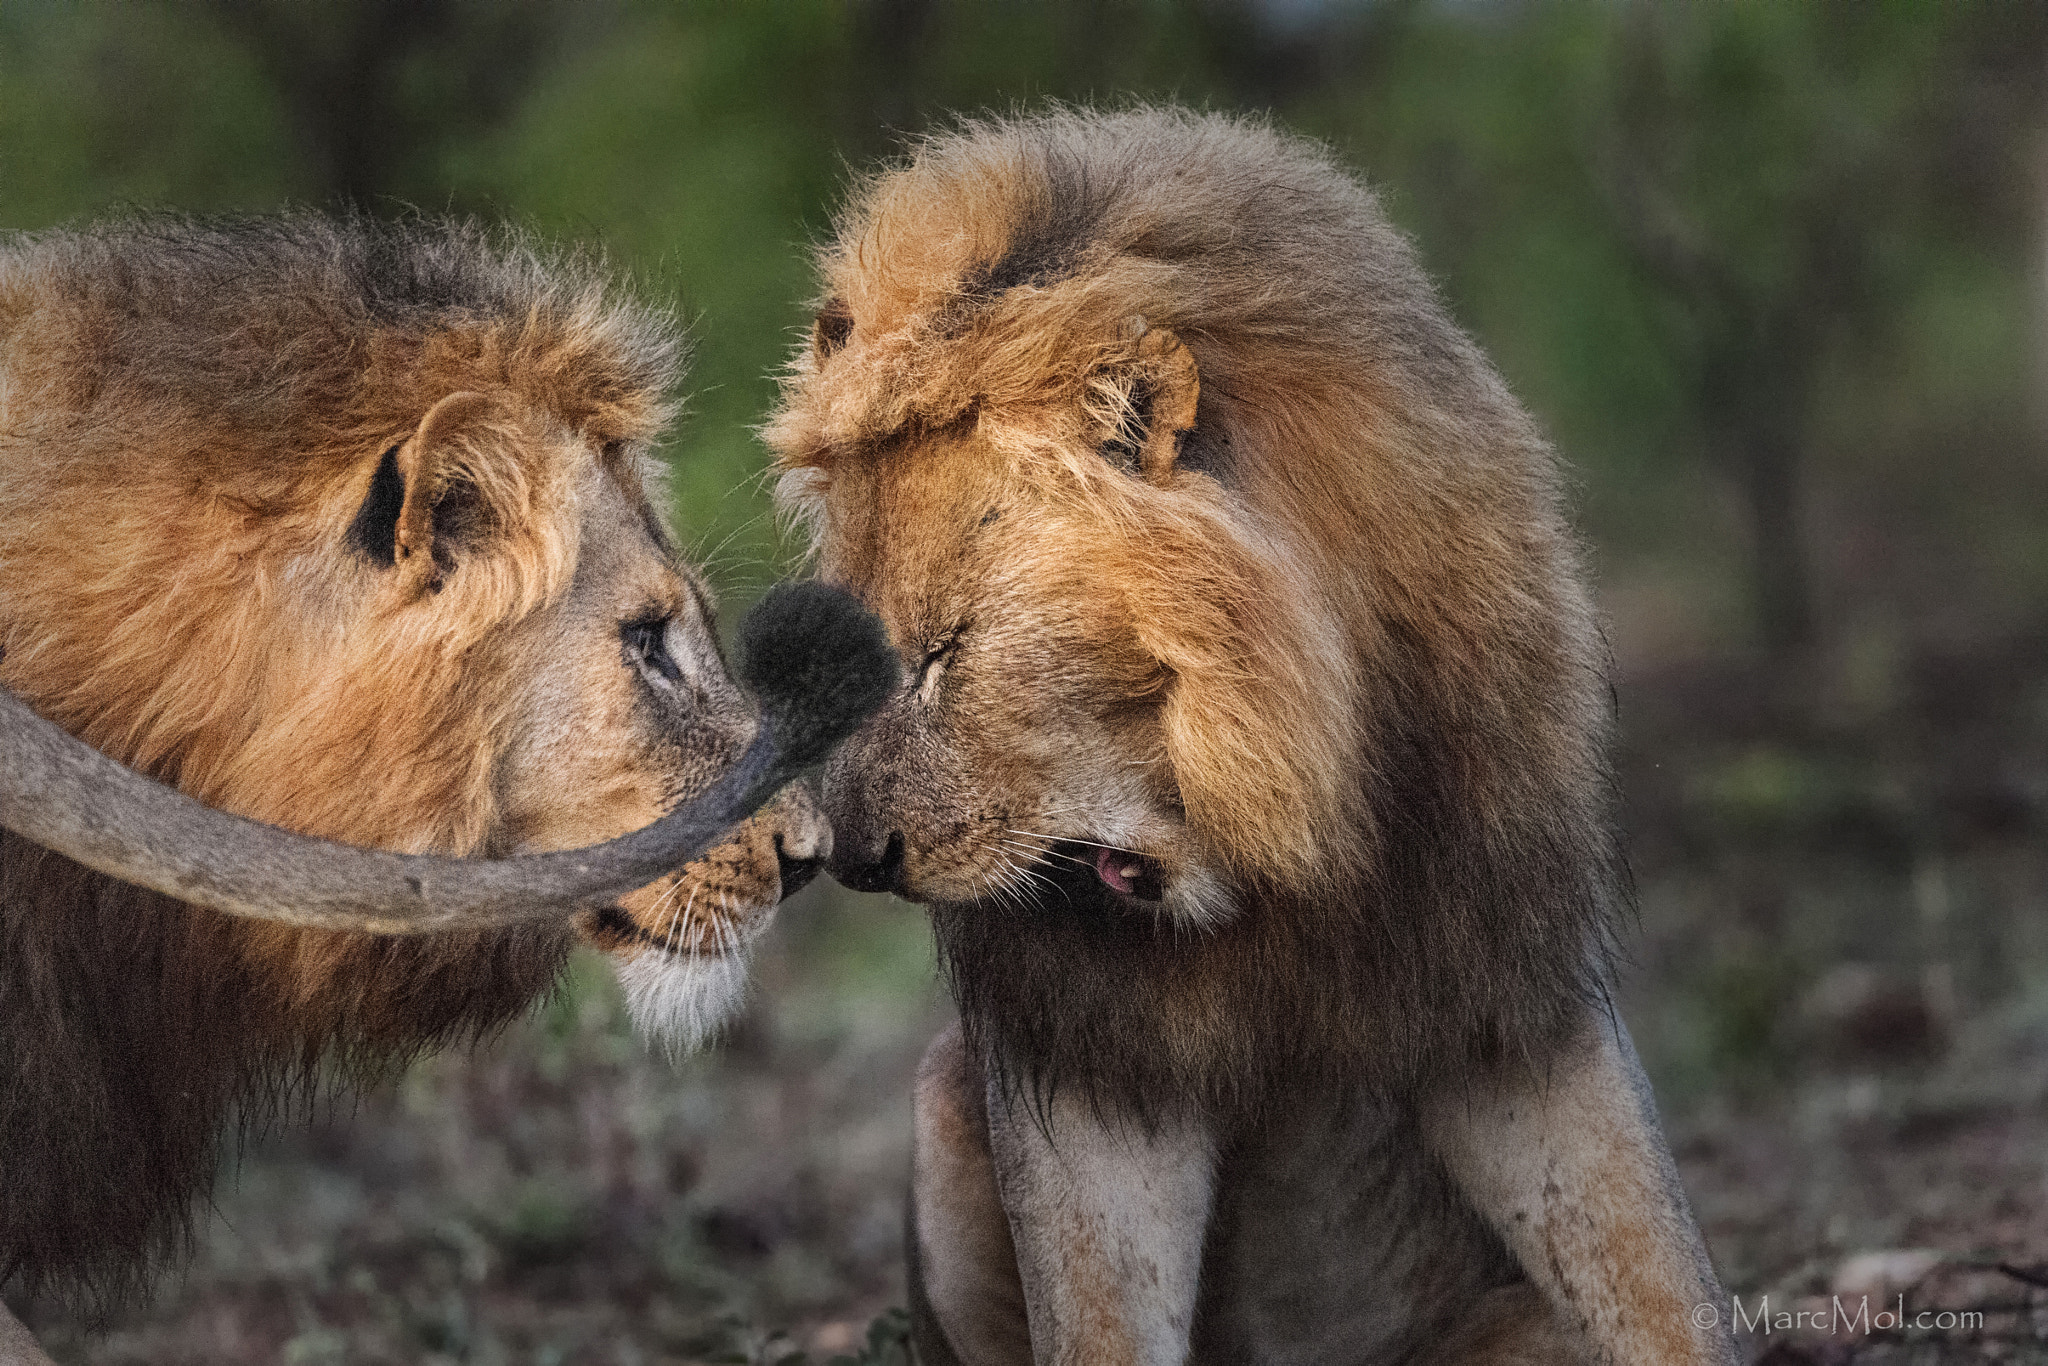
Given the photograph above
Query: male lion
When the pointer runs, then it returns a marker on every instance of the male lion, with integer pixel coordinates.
(1251, 763)
(345, 528)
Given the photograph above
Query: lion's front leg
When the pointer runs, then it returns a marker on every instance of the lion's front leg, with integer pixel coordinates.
(1568, 1164)
(1087, 1244)
(1107, 1217)
(17, 1345)
(966, 1299)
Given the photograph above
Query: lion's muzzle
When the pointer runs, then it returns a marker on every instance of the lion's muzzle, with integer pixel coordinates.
(871, 869)
(866, 791)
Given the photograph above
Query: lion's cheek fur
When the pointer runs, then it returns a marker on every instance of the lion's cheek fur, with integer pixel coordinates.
(1231, 648)
(1223, 636)
(1148, 653)
(682, 948)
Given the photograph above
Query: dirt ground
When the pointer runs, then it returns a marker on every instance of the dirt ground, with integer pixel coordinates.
(1861, 1196)
(1840, 985)
(564, 1196)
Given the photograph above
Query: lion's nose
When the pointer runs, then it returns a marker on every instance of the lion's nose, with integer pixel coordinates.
(804, 840)
(795, 869)
(868, 869)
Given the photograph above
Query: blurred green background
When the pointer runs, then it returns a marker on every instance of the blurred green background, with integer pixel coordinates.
(1775, 278)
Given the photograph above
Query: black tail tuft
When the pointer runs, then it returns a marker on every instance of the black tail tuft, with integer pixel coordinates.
(820, 663)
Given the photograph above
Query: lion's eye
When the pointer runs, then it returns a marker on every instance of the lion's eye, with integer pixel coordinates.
(646, 642)
(935, 661)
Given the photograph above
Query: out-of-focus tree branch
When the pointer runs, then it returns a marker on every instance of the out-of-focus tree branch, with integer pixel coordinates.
(373, 86)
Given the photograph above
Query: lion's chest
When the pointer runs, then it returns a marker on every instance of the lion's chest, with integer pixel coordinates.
(1335, 1240)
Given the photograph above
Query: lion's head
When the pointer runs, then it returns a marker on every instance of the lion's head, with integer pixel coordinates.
(346, 528)
(1253, 695)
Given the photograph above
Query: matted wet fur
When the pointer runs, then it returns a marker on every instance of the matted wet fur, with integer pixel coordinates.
(346, 527)
(1251, 764)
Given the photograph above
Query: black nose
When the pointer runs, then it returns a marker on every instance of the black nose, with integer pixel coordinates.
(884, 874)
(795, 872)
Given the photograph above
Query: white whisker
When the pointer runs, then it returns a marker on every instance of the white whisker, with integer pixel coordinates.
(680, 919)
(1074, 839)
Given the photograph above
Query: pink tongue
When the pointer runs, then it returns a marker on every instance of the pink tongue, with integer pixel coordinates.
(1109, 866)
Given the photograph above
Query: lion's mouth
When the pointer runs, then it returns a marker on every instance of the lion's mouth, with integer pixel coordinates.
(619, 929)
(1130, 874)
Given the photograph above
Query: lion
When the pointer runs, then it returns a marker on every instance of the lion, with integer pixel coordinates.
(1251, 762)
(351, 531)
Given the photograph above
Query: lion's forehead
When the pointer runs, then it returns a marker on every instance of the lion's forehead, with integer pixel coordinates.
(1019, 364)
(1015, 357)
(1002, 264)
(922, 517)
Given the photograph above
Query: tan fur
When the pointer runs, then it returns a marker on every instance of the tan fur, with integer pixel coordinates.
(17, 1347)
(974, 1271)
(197, 423)
(1252, 761)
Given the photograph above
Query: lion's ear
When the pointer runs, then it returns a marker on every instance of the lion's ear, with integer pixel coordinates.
(421, 505)
(1160, 406)
(833, 326)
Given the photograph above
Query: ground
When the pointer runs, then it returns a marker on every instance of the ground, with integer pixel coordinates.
(1839, 983)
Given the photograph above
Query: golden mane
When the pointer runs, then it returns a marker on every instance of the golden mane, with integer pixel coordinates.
(1385, 709)
(1378, 482)
(167, 356)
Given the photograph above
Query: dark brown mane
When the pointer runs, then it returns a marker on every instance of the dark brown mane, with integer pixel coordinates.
(141, 1037)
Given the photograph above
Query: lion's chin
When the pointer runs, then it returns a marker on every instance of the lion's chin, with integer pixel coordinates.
(682, 1000)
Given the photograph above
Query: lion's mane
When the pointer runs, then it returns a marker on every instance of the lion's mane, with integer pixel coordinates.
(1386, 711)
(185, 410)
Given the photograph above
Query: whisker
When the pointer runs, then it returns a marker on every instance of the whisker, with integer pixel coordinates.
(998, 882)
(1074, 839)
(668, 894)
(693, 927)
(655, 916)
(1039, 855)
(1026, 876)
(994, 886)
(1041, 879)
(1019, 872)
(682, 917)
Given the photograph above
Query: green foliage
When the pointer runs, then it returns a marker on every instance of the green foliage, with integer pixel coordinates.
(1746, 998)
(1768, 792)
(544, 1224)
(99, 108)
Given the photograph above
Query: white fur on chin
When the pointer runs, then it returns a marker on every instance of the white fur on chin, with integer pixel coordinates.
(682, 1000)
